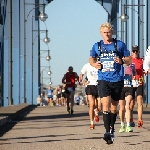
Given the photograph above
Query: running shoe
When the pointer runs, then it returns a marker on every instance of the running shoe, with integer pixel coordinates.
(140, 123)
(112, 134)
(122, 129)
(108, 138)
(96, 118)
(68, 110)
(132, 124)
(51, 104)
(129, 129)
(92, 126)
(71, 111)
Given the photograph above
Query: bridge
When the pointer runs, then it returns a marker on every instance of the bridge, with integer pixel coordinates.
(20, 70)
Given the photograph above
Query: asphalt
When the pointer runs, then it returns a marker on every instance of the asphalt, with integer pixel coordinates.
(51, 128)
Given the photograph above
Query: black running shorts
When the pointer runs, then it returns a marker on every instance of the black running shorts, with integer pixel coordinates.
(63, 94)
(59, 95)
(126, 91)
(113, 89)
(137, 91)
(92, 90)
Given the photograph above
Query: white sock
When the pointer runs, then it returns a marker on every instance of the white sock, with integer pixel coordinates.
(122, 123)
(96, 111)
(92, 122)
(128, 124)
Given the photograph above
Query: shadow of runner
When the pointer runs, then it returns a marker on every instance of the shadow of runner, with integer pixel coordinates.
(57, 116)
(128, 136)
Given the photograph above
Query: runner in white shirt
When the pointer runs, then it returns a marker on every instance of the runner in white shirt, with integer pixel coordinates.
(146, 63)
(91, 90)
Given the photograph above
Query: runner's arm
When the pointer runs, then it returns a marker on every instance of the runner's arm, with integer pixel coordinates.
(64, 79)
(93, 55)
(85, 82)
(83, 72)
(127, 59)
(46, 92)
(76, 76)
(81, 77)
(94, 63)
(133, 72)
(146, 63)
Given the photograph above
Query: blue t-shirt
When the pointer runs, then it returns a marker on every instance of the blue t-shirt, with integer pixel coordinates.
(49, 93)
(111, 71)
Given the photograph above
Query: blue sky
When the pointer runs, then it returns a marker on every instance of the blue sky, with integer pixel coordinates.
(73, 27)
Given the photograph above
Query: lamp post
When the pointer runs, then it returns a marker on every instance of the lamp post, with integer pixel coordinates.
(49, 73)
(46, 40)
(43, 16)
(10, 100)
(124, 17)
(50, 83)
(48, 57)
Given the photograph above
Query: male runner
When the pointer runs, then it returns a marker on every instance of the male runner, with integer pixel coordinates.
(146, 63)
(69, 79)
(111, 54)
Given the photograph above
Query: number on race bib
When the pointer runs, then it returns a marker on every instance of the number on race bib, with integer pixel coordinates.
(135, 83)
(108, 66)
(127, 83)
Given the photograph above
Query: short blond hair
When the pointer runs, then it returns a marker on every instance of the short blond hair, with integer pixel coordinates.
(106, 25)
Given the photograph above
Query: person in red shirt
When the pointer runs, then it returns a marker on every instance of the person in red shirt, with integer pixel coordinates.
(70, 79)
(137, 83)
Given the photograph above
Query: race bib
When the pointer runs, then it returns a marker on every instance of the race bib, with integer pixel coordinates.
(49, 93)
(93, 75)
(127, 83)
(135, 83)
(108, 66)
(63, 90)
(59, 92)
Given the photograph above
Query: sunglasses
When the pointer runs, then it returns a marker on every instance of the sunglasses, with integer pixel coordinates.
(135, 51)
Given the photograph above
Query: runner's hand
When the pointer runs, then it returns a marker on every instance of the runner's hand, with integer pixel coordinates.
(80, 79)
(145, 73)
(117, 60)
(97, 65)
(80, 83)
(134, 77)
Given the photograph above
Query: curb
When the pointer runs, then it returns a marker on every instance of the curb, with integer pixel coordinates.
(3, 120)
(146, 105)
(7, 117)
